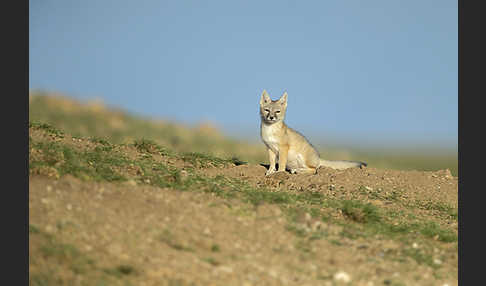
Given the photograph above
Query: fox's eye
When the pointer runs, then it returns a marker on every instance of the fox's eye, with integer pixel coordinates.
(278, 111)
(266, 110)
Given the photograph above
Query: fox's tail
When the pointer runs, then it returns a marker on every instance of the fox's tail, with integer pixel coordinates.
(341, 165)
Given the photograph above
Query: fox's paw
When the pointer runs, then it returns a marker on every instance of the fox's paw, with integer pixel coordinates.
(269, 172)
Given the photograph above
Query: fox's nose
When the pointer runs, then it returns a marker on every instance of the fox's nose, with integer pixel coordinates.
(271, 117)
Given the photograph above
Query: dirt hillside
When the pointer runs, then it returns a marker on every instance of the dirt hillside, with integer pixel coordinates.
(94, 118)
(139, 214)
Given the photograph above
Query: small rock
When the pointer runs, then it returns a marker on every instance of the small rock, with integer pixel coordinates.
(226, 269)
(369, 188)
(69, 207)
(415, 245)
(342, 276)
(184, 174)
(437, 261)
(131, 183)
(316, 225)
(308, 217)
(48, 188)
(207, 231)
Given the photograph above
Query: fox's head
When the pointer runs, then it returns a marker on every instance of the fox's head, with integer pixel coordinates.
(272, 111)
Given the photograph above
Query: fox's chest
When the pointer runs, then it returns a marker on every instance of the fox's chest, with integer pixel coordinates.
(271, 137)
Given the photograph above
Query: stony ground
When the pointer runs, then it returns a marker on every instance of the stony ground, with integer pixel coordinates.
(137, 214)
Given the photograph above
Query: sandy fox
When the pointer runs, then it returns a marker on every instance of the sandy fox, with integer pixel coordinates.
(289, 147)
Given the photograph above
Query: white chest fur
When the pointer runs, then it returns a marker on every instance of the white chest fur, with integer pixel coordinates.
(270, 137)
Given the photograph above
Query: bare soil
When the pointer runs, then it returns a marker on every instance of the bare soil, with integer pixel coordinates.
(169, 237)
(88, 232)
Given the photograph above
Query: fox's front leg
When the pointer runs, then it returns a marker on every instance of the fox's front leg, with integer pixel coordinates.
(282, 157)
(271, 156)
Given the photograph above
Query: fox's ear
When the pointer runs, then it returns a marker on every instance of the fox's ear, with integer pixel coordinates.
(283, 99)
(265, 98)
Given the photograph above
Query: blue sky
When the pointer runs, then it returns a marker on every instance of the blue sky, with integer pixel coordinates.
(358, 71)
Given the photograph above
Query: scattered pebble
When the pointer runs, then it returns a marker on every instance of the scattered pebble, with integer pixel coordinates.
(131, 183)
(184, 174)
(225, 269)
(207, 231)
(342, 277)
(415, 245)
(316, 225)
(308, 217)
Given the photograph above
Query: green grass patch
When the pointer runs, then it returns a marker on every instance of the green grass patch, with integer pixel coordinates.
(61, 253)
(441, 207)
(420, 256)
(36, 125)
(211, 261)
(98, 164)
(215, 248)
(148, 146)
(33, 229)
(203, 160)
(360, 212)
(99, 140)
(433, 230)
(121, 270)
(171, 241)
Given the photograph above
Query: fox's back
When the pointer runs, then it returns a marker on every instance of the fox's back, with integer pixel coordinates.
(301, 152)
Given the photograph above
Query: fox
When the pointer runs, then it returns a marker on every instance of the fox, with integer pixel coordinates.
(292, 150)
